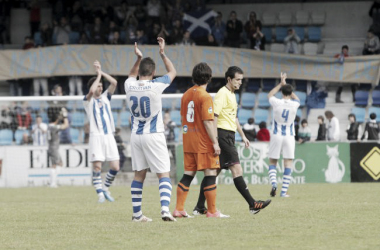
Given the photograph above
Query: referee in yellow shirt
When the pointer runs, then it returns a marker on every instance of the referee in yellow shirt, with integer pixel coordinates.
(225, 119)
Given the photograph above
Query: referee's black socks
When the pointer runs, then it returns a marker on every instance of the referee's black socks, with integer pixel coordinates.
(241, 186)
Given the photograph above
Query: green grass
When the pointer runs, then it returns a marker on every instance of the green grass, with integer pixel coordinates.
(317, 216)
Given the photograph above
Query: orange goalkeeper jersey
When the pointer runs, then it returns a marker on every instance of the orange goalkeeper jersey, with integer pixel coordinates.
(196, 107)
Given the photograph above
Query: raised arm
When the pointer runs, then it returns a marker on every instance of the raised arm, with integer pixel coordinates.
(168, 64)
(278, 87)
(65, 124)
(110, 79)
(135, 69)
(95, 84)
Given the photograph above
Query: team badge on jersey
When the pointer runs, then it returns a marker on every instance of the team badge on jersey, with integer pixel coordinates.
(184, 129)
(210, 110)
(100, 104)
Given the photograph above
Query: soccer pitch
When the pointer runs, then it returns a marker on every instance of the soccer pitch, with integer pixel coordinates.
(316, 216)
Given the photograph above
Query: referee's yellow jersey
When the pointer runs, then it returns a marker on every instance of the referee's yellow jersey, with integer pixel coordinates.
(225, 106)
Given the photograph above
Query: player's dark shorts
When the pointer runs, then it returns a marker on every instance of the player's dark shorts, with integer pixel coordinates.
(228, 155)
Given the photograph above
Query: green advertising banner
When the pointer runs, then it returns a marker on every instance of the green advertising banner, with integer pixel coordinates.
(315, 162)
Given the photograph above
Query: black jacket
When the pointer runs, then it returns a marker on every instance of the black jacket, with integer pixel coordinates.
(373, 130)
(321, 132)
(353, 131)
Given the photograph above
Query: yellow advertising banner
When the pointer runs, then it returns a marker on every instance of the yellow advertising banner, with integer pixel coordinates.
(118, 60)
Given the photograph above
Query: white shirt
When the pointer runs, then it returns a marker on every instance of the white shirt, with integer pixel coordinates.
(333, 130)
(99, 114)
(284, 113)
(39, 134)
(144, 102)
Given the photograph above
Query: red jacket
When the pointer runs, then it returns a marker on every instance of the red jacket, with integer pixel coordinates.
(263, 135)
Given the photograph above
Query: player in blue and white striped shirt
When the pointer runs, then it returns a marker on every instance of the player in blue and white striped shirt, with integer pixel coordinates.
(102, 142)
(148, 143)
(282, 134)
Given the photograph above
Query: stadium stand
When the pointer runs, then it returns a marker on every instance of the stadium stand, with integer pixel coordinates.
(268, 34)
(261, 115)
(361, 98)
(75, 135)
(248, 100)
(6, 137)
(302, 17)
(124, 119)
(314, 34)
(244, 115)
(375, 110)
(359, 113)
(281, 33)
(300, 85)
(318, 18)
(78, 119)
(269, 18)
(19, 133)
(253, 85)
(268, 84)
(285, 18)
(263, 101)
(300, 31)
(302, 97)
(376, 97)
(175, 115)
(310, 48)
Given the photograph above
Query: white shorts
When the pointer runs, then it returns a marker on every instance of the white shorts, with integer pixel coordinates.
(103, 148)
(279, 143)
(150, 151)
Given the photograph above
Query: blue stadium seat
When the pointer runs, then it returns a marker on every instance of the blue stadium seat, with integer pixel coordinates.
(177, 132)
(376, 98)
(375, 110)
(281, 33)
(70, 106)
(299, 113)
(6, 137)
(77, 119)
(115, 116)
(238, 137)
(237, 95)
(267, 33)
(35, 105)
(74, 37)
(314, 34)
(263, 100)
(74, 134)
(253, 85)
(79, 105)
(244, 115)
(278, 95)
(300, 31)
(268, 84)
(301, 85)
(302, 97)
(124, 119)
(261, 115)
(117, 104)
(44, 117)
(37, 38)
(175, 116)
(177, 103)
(167, 103)
(359, 113)
(248, 100)
(19, 133)
(361, 98)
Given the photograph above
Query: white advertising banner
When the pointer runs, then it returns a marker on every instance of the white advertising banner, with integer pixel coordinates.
(27, 166)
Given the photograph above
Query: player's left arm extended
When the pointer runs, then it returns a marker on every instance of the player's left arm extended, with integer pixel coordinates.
(135, 68)
(172, 72)
(278, 87)
(240, 131)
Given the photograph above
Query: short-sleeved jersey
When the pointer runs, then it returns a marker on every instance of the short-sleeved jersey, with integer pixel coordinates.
(225, 106)
(53, 136)
(99, 114)
(144, 102)
(284, 113)
(196, 107)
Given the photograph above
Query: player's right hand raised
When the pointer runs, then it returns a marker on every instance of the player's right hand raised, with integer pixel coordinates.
(138, 51)
(161, 43)
(216, 149)
(283, 78)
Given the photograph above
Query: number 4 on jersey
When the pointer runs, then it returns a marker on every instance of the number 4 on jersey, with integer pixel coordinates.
(285, 114)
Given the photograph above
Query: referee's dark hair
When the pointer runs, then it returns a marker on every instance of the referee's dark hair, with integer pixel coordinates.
(287, 90)
(202, 74)
(147, 67)
(231, 71)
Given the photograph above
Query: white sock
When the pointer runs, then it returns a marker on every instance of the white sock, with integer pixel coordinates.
(53, 177)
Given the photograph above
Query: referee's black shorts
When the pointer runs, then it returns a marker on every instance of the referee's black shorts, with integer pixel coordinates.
(228, 155)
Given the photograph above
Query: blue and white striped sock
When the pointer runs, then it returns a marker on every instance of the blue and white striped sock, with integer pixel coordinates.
(286, 181)
(165, 188)
(97, 182)
(136, 191)
(109, 178)
(273, 175)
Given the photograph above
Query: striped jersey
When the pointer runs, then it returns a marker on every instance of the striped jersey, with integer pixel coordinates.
(144, 102)
(284, 113)
(39, 134)
(99, 114)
